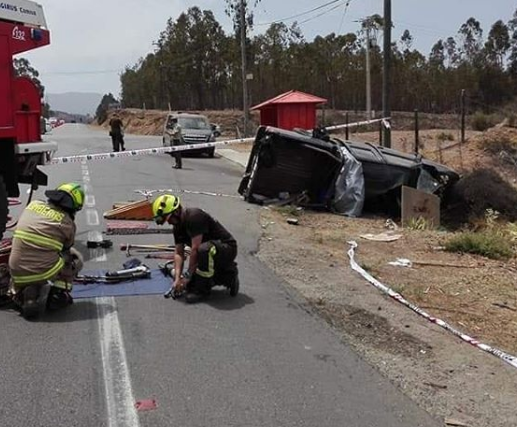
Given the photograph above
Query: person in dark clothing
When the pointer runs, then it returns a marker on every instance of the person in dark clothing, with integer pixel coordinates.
(213, 249)
(117, 133)
(176, 141)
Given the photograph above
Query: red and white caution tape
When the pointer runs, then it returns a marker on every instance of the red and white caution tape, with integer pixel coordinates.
(385, 121)
(150, 193)
(144, 151)
(508, 358)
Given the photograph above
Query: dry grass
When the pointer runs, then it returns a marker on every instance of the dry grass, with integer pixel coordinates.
(477, 295)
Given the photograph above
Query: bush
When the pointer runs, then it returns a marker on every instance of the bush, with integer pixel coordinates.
(475, 193)
(488, 243)
(445, 136)
(481, 122)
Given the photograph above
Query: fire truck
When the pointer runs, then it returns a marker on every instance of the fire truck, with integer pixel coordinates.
(22, 28)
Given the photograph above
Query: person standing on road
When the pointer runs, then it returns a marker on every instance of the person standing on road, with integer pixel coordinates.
(43, 262)
(177, 140)
(213, 249)
(117, 133)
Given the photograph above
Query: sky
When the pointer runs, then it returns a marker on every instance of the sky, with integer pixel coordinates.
(93, 40)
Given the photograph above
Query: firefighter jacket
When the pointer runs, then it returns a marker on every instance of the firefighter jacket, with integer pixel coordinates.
(43, 232)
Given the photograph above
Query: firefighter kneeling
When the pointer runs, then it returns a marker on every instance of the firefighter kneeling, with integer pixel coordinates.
(43, 262)
(213, 249)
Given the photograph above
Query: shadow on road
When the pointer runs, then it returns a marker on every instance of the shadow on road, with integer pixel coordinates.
(78, 312)
(220, 300)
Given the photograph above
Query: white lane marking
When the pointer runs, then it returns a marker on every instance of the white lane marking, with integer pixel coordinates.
(87, 188)
(117, 380)
(86, 178)
(95, 236)
(92, 217)
(96, 254)
(86, 172)
(90, 201)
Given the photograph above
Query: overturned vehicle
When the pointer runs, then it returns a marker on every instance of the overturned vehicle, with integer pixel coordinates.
(315, 171)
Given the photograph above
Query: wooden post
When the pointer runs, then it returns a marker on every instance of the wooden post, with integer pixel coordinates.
(417, 139)
(463, 116)
(347, 129)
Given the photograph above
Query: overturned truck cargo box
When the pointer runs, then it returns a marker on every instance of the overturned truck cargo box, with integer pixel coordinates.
(316, 171)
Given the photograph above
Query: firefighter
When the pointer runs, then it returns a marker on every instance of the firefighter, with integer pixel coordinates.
(117, 133)
(43, 262)
(213, 249)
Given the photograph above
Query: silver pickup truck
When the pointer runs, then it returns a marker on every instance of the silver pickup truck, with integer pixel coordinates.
(194, 129)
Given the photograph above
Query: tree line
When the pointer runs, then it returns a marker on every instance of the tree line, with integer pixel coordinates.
(196, 65)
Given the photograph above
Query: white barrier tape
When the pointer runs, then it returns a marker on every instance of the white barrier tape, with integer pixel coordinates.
(150, 193)
(385, 122)
(144, 151)
(508, 358)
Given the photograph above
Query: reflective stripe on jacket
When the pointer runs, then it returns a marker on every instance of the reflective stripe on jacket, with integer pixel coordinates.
(42, 233)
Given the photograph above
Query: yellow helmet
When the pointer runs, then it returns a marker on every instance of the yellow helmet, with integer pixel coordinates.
(164, 205)
(76, 193)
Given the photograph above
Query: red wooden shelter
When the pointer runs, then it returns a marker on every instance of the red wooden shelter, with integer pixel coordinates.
(290, 110)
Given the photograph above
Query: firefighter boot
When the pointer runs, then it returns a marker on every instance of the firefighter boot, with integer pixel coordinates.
(198, 289)
(33, 295)
(229, 278)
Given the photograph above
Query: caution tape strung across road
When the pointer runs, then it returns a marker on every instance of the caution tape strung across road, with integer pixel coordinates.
(508, 358)
(144, 152)
(150, 193)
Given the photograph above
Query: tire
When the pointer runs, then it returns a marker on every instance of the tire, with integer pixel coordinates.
(4, 206)
(211, 153)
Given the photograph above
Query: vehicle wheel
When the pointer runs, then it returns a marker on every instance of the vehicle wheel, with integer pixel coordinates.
(211, 152)
(4, 206)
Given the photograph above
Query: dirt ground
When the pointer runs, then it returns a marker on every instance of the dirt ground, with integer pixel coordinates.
(447, 377)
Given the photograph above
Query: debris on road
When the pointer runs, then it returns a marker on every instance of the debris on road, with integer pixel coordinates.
(293, 221)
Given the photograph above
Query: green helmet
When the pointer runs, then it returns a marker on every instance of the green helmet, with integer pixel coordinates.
(76, 193)
(165, 205)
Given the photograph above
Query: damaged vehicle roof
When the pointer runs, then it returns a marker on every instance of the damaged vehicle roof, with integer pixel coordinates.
(329, 173)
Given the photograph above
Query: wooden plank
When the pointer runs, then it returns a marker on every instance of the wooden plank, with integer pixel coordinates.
(416, 204)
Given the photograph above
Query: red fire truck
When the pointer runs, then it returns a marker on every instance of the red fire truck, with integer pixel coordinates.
(22, 28)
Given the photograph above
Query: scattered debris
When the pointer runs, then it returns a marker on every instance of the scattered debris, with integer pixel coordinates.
(146, 405)
(431, 384)
(456, 423)
(504, 305)
(293, 221)
(382, 237)
(401, 262)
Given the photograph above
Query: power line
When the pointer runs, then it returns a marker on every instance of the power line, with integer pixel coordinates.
(343, 17)
(298, 15)
(321, 14)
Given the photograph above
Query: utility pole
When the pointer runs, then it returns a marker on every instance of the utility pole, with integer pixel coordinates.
(243, 60)
(368, 77)
(386, 83)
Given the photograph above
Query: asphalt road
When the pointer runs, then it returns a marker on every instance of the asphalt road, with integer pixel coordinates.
(257, 360)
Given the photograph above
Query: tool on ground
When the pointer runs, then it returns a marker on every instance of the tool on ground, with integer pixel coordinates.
(118, 276)
(168, 271)
(92, 244)
(162, 248)
(168, 255)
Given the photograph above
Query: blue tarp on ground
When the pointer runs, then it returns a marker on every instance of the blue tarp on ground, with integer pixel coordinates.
(157, 284)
